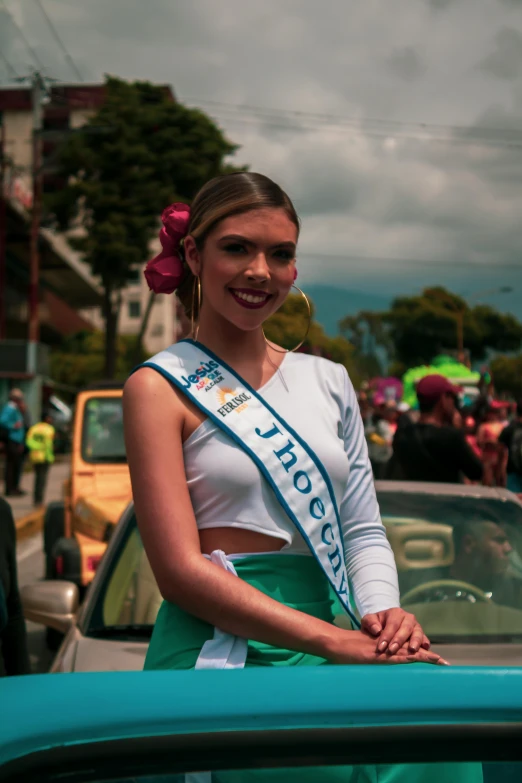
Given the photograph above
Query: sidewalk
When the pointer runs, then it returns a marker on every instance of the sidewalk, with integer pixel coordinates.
(25, 514)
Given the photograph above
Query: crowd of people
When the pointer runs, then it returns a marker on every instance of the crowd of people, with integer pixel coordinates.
(443, 440)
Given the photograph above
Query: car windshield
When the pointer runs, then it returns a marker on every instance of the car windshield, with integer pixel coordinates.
(102, 436)
(459, 560)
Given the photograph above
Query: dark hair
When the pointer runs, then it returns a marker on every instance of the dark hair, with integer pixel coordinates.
(221, 197)
(426, 404)
(519, 407)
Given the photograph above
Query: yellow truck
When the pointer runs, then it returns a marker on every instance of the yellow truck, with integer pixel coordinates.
(77, 530)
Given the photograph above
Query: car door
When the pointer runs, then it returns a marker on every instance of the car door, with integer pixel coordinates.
(414, 754)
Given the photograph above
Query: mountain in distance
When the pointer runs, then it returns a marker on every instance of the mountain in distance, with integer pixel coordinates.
(333, 303)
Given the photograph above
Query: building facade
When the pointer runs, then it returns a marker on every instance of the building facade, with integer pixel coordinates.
(62, 272)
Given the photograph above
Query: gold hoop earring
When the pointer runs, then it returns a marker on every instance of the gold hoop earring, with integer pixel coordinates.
(194, 328)
(291, 350)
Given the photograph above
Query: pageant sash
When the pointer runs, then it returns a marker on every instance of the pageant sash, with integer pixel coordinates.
(293, 471)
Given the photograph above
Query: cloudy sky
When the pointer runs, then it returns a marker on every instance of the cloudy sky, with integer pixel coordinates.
(396, 125)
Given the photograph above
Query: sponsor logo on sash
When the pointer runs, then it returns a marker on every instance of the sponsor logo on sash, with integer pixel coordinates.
(204, 377)
(231, 401)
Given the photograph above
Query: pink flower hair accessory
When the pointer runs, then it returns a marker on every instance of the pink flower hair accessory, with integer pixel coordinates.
(165, 271)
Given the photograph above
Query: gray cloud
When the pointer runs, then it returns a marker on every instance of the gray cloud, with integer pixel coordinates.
(440, 5)
(505, 61)
(406, 63)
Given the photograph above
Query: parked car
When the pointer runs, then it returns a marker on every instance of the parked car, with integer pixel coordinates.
(155, 727)
(113, 627)
(77, 529)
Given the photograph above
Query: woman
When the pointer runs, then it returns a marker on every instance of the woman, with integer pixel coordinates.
(235, 446)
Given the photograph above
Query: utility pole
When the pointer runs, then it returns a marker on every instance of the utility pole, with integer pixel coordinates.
(3, 229)
(37, 95)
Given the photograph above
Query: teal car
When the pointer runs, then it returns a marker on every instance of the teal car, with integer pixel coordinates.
(158, 727)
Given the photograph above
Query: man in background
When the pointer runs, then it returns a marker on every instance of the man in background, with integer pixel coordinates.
(12, 433)
(482, 558)
(39, 441)
(433, 448)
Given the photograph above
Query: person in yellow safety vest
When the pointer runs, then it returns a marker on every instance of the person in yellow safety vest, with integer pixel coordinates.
(39, 441)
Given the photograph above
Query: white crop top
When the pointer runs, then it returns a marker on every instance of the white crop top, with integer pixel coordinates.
(317, 399)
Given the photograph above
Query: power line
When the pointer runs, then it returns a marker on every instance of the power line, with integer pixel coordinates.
(24, 39)
(471, 142)
(308, 121)
(357, 121)
(10, 68)
(288, 126)
(59, 41)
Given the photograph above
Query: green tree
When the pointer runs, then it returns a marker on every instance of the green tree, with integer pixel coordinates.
(139, 152)
(288, 326)
(366, 331)
(507, 375)
(417, 328)
(80, 359)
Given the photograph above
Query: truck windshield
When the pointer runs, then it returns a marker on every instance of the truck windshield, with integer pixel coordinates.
(102, 435)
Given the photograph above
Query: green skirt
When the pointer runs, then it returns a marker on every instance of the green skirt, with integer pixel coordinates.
(299, 582)
(294, 580)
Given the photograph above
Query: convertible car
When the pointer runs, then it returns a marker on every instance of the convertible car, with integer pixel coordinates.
(444, 538)
(158, 727)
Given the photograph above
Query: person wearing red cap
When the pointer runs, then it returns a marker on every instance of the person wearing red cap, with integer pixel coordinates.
(433, 449)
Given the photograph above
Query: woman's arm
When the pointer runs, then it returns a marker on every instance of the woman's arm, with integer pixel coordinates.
(370, 564)
(369, 558)
(154, 418)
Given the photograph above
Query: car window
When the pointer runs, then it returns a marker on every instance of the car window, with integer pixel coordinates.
(459, 561)
(128, 599)
(102, 435)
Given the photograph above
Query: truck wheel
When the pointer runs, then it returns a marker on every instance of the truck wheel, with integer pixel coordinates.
(53, 529)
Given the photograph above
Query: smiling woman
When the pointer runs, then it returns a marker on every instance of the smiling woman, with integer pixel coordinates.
(252, 486)
(230, 217)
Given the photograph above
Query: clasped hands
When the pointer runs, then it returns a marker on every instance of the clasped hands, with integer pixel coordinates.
(399, 638)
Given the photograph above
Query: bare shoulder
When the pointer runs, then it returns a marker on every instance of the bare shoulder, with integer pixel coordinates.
(148, 395)
(145, 385)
